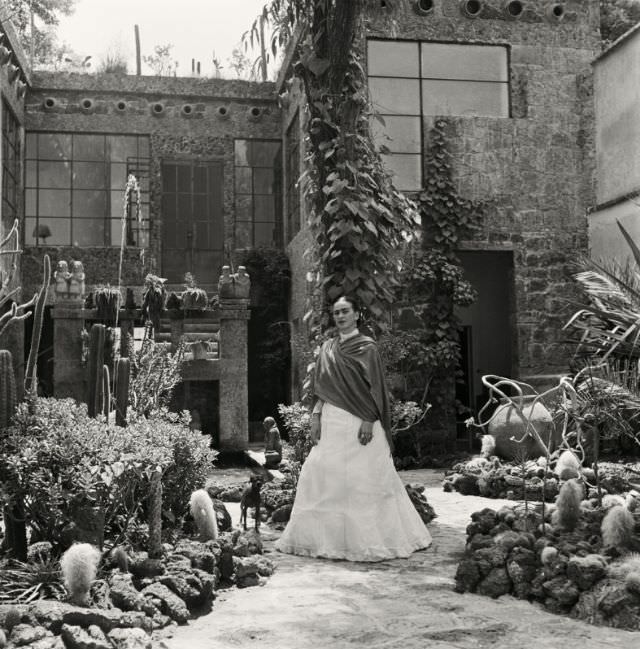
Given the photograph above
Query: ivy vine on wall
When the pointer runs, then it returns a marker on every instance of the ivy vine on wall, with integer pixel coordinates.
(422, 351)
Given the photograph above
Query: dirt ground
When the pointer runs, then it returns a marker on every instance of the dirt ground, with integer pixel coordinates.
(404, 603)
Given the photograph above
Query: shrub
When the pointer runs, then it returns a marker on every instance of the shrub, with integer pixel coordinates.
(297, 421)
(58, 461)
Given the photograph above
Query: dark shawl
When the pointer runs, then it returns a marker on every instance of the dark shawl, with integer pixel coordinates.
(349, 375)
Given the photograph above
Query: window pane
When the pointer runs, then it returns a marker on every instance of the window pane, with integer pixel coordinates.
(395, 96)
(88, 232)
(89, 175)
(244, 177)
(53, 146)
(117, 204)
(88, 147)
(263, 234)
(393, 59)
(264, 208)
(262, 154)
(30, 202)
(89, 204)
(243, 234)
(244, 208)
(31, 173)
(118, 176)
(465, 98)
(60, 230)
(122, 147)
(263, 181)
(406, 170)
(31, 145)
(54, 202)
(143, 147)
(472, 62)
(200, 179)
(200, 209)
(398, 134)
(54, 174)
(184, 178)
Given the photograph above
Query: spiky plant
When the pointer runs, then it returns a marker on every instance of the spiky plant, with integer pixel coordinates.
(22, 582)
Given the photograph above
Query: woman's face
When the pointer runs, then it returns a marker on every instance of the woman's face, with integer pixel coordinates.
(344, 316)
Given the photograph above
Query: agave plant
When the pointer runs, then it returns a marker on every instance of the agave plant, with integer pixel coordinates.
(608, 326)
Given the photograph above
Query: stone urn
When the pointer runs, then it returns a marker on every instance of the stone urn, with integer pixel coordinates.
(507, 422)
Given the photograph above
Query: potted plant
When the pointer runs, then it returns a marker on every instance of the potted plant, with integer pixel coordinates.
(153, 299)
(107, 300)
(193, 298)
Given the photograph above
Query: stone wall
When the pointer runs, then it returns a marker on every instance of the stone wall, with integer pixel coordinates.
(185, 118)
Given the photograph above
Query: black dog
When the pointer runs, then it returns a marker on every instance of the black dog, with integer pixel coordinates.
(251, 497)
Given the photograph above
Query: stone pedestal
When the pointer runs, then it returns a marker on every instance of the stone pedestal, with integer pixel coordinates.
(234, 394)
(68, 371)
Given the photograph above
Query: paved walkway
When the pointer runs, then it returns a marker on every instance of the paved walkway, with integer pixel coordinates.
(403, 604)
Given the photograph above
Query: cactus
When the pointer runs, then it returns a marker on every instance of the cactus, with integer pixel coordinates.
(617, 527)
(204, 515)
(567, 510)
(106, 392)
(12, 618)
(155, 515)
(123, 371)
(31, 373)
(568, 466)
(79, 568)
(94, 368)
(7, 388)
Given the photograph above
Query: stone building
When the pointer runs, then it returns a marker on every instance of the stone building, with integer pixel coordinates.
(514, 83)
(218, 163)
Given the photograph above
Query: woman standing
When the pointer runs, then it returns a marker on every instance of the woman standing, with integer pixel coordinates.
(350, 502)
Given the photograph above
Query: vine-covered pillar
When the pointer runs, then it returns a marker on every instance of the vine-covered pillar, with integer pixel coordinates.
(233, 389)
(68, 371)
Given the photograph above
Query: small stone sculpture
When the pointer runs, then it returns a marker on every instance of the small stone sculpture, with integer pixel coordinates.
(76, 282)
(70, 285)
(242, 282)
(225, 284)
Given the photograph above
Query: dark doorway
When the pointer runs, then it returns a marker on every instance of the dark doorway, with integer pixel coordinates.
(487, 337)
(192, 220)
(200, 399)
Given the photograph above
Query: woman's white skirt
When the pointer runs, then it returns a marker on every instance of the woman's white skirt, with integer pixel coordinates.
(350, 502)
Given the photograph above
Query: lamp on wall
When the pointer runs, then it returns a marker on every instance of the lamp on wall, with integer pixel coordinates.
(41, 231)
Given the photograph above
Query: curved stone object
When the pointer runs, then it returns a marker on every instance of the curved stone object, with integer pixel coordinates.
(507, 423)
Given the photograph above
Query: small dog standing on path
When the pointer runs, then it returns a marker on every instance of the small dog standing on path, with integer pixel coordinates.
(251, 497)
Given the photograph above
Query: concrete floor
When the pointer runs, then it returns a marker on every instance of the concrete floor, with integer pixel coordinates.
(404, 603)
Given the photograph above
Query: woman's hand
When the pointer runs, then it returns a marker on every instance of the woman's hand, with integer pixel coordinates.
(315, 427)
(365, 434)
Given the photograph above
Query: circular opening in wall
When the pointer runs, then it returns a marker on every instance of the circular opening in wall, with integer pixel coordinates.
(157, 108)
(187, 109)
(255, 112)
(87, 104)
(223, 111)
(557, 12)
(514, 9)
(424, 6)
(49, 102)
(472, 7)
(121, 105)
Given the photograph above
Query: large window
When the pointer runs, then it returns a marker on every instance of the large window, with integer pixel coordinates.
(258, 193)
(10, 165)
(74, 189)
(409, 80)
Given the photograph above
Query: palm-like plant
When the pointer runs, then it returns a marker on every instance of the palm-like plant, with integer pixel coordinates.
(608, 327)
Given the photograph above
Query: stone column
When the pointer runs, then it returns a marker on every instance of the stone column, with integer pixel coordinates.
(68, 371)
(234, 393)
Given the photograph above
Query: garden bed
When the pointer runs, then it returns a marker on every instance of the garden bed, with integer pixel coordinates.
(588, 569)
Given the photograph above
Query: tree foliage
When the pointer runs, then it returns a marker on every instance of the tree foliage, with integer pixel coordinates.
(617, 17)
(358, 219)
(35, 21)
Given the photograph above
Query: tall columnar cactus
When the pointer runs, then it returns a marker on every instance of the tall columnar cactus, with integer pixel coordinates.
(31, 374)
(155, 515)
(7, 388)
(123, 372)
(94, 369)
(106, 392)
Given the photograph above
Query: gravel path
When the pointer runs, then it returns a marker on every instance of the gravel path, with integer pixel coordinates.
(404, 603)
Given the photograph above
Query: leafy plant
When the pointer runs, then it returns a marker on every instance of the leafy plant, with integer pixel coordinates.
(193, 298)
(107, 300)
(153, 299)
(297, 422)
(22, 582)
